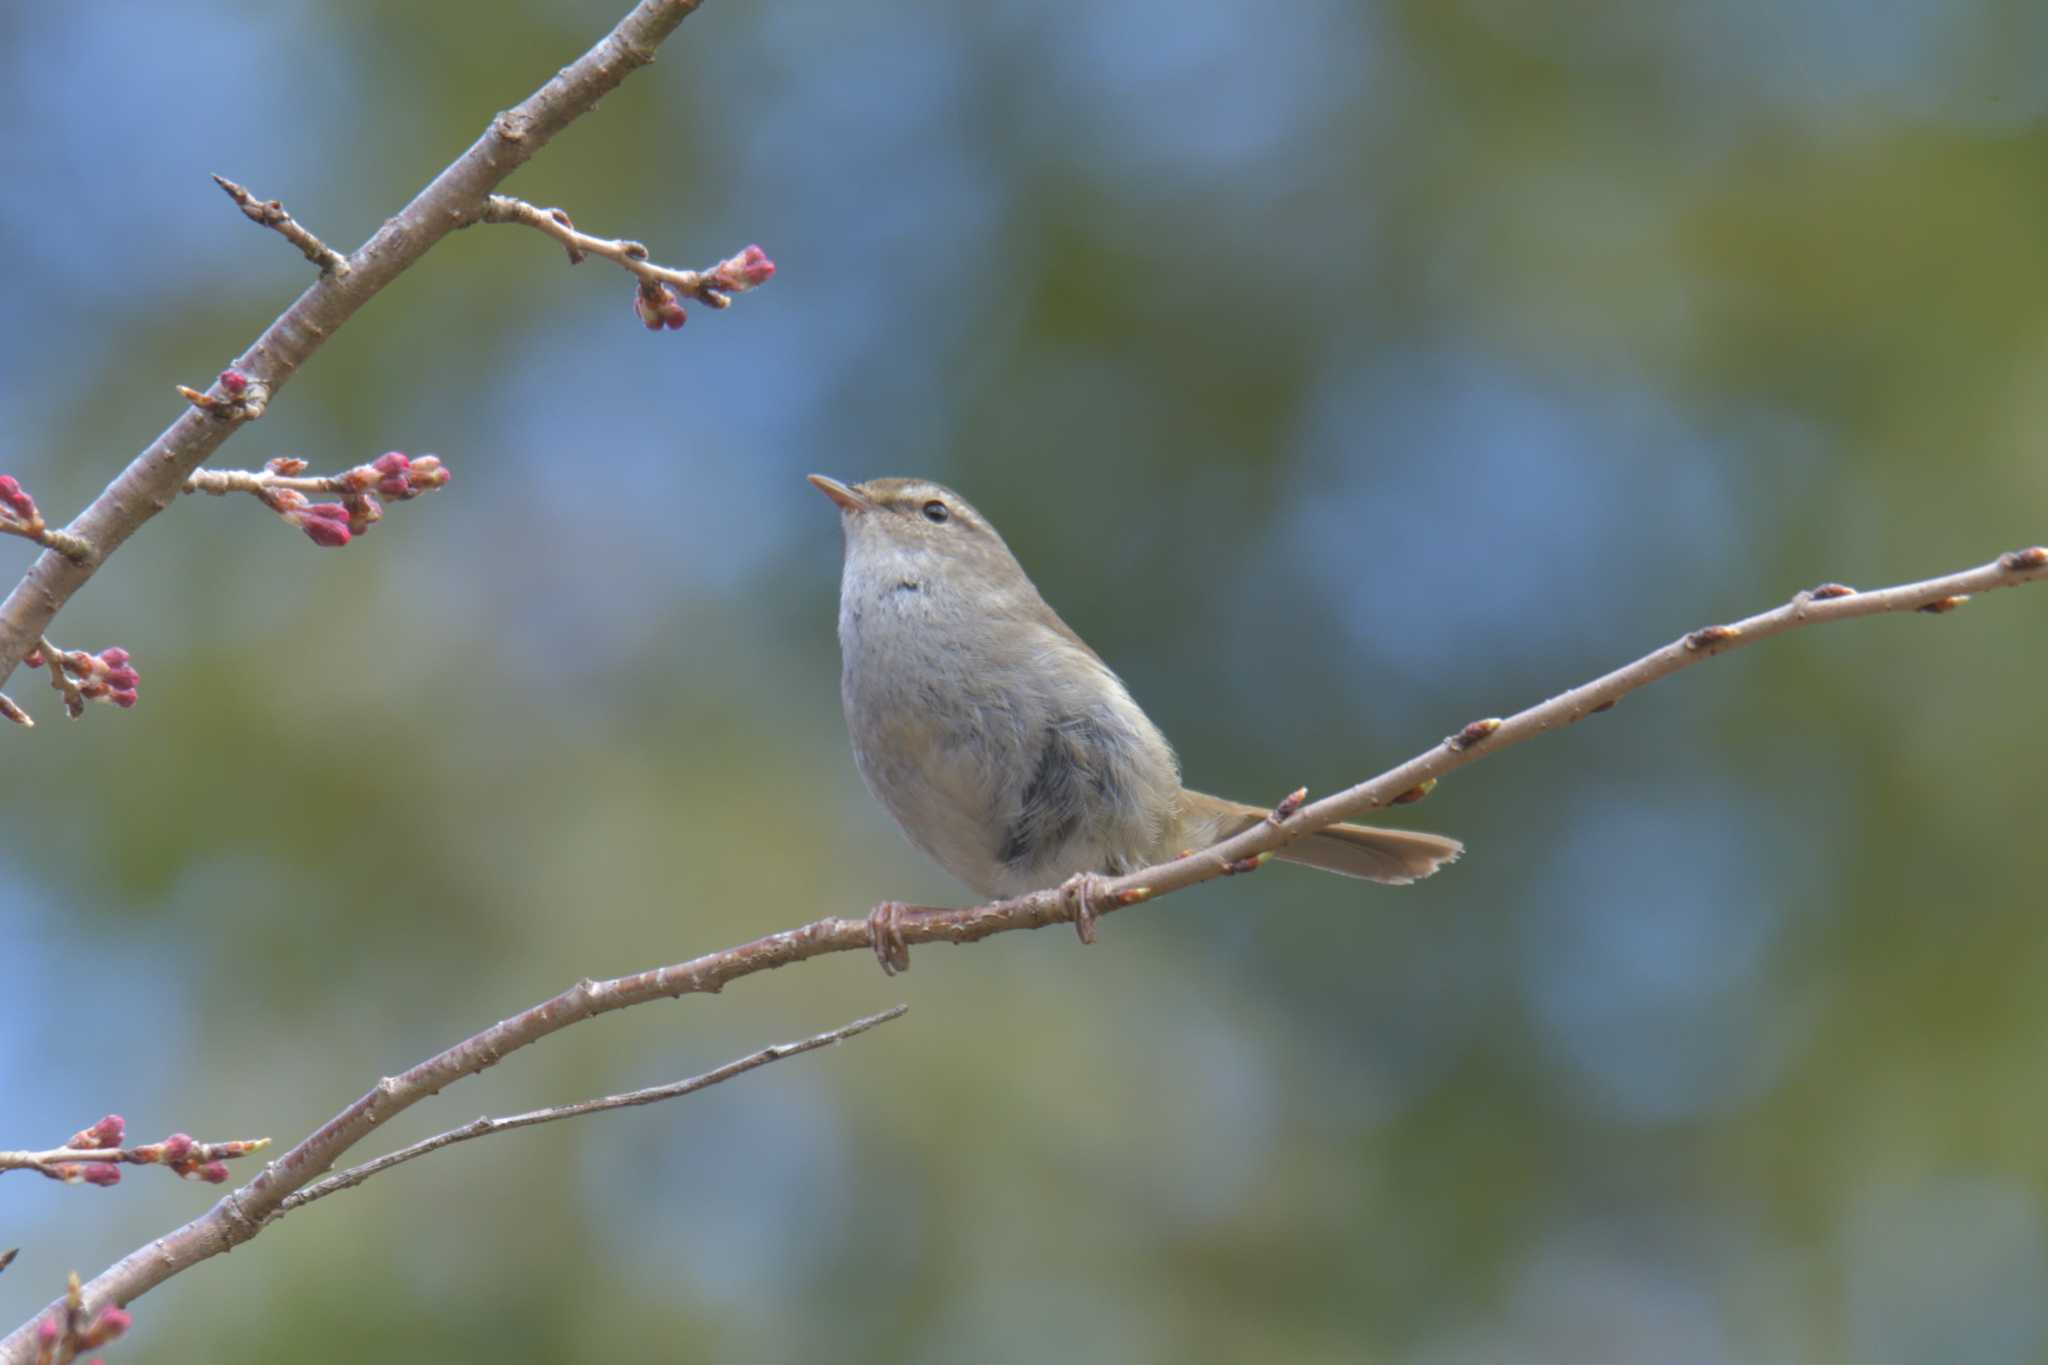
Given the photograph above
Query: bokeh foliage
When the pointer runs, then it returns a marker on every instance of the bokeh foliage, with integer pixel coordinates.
(1343, 371)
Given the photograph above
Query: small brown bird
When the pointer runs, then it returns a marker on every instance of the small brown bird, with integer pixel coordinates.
(1001, 743)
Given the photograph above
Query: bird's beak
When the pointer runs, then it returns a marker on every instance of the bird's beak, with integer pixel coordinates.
(849, 499)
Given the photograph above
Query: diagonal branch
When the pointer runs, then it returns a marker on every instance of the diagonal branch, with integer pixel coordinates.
(241, 1215)
(456, 197)
(653, 1094)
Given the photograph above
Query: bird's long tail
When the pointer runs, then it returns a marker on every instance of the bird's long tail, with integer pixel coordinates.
(1394, 856)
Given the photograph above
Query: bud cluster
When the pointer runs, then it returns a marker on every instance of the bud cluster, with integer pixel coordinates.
(391, 475)
(60, 1337)
(18, 514)
(657, 305)
(179, 1152)
(108, 676)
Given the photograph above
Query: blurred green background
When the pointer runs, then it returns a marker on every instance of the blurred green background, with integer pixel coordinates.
(1343, 370)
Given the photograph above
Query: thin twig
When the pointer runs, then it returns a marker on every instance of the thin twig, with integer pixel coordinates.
(241, 1215)
(654, 1094)
(53, 660)
(701, 285)
(270, 213)
(187, 1154)
(221, 482)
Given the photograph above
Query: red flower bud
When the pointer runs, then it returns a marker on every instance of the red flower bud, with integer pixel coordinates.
(390, 462)
(235, 382)
(213, 1172)
(327, 534)
(16, 500)
(102, 1173)
(742, 272)
(108, 1325)
(177, 1147)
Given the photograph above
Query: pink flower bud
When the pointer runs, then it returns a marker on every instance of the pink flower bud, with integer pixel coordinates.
(47, 1331)
(108, 1325)
(177, 1147)
(357, 479)
(213, 1172)
(329, 535)
(742, 272)
(114, 658)
(101, 1173)
(390, 462)
(124, 698)
(16, 500)
(108, 1131)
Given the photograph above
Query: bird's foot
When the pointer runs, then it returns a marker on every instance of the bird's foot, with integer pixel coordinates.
(1082, 891)
(885, 936)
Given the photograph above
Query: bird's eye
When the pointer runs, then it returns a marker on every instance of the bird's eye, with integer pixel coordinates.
(936, 511)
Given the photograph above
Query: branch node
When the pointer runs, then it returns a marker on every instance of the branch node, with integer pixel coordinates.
(1828, 590)
(240, 398)
(1706, 637)
(1414, 793)
(2033, 557)
(1475, 733)
(1289, 804)
(1236, 867)
(1942, 605)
